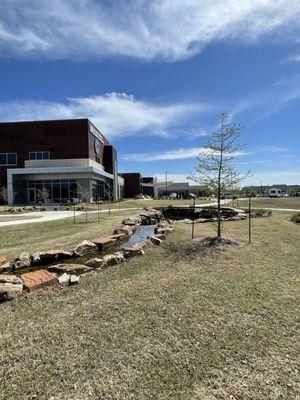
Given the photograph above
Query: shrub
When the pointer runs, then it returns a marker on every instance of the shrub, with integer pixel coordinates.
(16, 210)
(68, 208)
(296, 218)
(29, 208)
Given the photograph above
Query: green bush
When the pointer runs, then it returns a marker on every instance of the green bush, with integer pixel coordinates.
(68, 208)
(296, 218)
(16, 210)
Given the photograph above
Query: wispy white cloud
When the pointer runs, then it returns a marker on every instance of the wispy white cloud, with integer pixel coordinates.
(115, 114)
(267, 101)
(193, 152)
(178, 154)
(145, 29)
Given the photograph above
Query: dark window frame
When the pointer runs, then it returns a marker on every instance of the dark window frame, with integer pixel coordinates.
(6, 159)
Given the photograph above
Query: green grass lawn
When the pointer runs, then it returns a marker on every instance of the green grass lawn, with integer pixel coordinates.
(289, 202)
(141, 204)
(57, 234)
(22, 217)
(180, 323)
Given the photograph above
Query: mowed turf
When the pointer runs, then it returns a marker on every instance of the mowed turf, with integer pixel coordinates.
(288, 202)
(181, 322)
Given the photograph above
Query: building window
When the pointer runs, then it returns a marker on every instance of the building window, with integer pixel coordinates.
(8, 158)
(39, 155)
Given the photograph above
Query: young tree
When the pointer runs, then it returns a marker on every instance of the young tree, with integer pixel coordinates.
(5, 194)
(43, 194)
(216, 168)
(108, 194)
(84, 196)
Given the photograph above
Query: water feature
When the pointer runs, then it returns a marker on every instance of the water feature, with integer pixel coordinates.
(142, 233)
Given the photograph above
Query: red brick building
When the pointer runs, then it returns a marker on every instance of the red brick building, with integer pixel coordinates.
(69, 158)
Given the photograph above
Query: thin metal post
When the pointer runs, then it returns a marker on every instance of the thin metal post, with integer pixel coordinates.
(249, 211)
(193, 224)
(74, 213)
(98, 203)
(166, 184)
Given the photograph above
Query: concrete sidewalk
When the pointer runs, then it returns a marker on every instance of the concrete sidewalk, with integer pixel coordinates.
(46, 216)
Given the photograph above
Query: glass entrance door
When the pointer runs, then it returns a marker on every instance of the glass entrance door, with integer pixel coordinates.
(32, 195)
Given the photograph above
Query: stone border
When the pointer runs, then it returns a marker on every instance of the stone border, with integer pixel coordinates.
(11, 286)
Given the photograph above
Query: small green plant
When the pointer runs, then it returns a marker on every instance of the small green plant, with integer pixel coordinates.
(68, 208)
(29, 208)
(16, 210)
(296, 218)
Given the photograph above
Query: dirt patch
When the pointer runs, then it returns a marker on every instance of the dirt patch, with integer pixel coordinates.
(220, 243)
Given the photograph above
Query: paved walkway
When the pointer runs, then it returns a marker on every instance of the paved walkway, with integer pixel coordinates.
(45, 216)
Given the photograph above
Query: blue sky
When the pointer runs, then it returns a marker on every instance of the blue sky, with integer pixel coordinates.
(154, 76)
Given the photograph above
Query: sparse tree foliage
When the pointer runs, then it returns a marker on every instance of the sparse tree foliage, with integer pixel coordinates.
(5, 194)
(216, 168)
(108, 194)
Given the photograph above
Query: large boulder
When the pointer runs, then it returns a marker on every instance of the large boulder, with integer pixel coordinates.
(21, 262)
(72, 269)
(124, 229)
(84, 248)
(10, 286)
(105, 242)
(50, 256)
(135, 250)
(131, 221)
(38, 279)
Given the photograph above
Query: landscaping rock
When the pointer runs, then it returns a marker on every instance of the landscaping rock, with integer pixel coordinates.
(124, 229)
(96, 263)
(10, 286)
(106, 261)
(136, 250)
(161, 236)
(131, 221)
(113, 259)
(84, 248)
(23, 261)
(5, 268)
(119, 236)
(155, 240)
(3, 260)
(37, 279)
(50, 256)
(105, 243)
(74, 279)
(64, 279)
(72, 269)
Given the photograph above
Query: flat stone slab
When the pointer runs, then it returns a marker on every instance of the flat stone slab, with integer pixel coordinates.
(37, 279)
(106, 261)
(72, 269)
(10, 286)
(125, 229)
(105, 242)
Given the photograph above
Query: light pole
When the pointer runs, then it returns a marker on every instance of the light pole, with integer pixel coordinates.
(193, 196)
